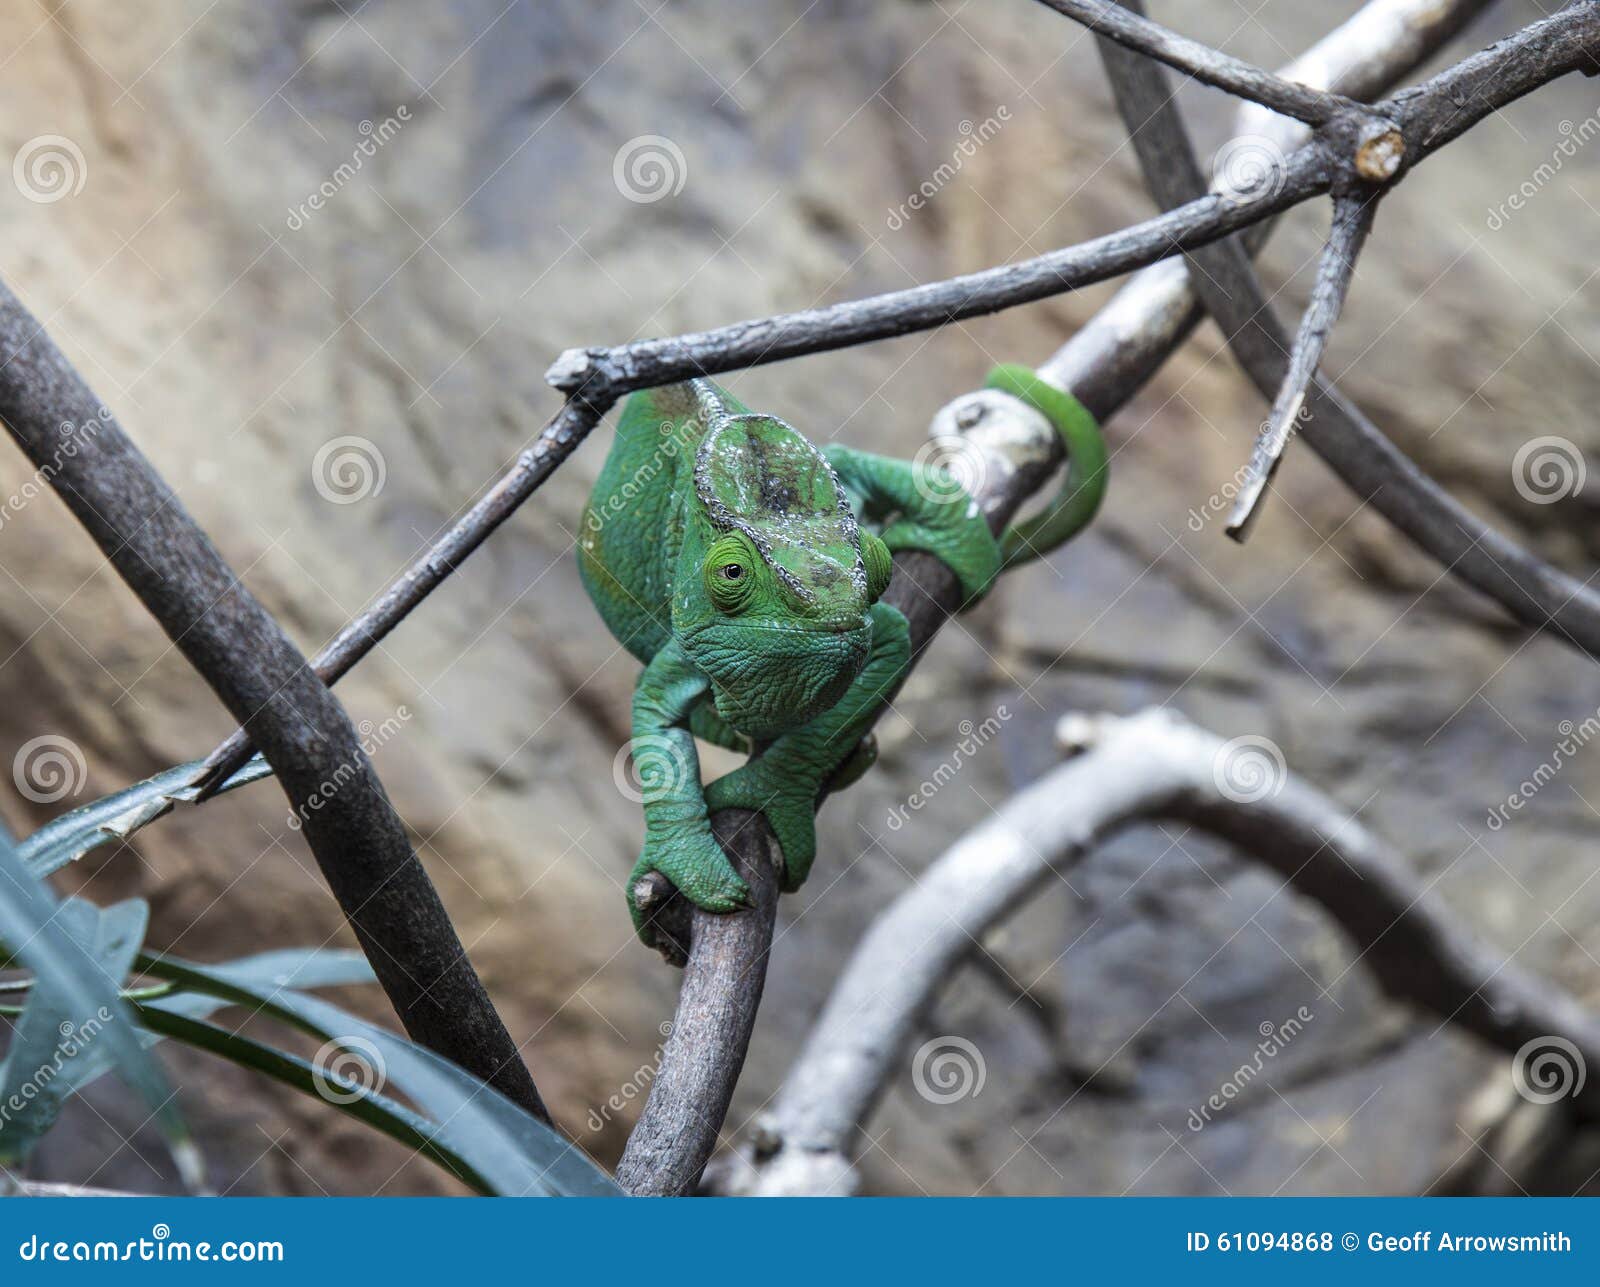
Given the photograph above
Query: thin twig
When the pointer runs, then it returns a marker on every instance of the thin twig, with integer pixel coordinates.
(558, 441)
(1207, 65)
(243, 654)
(1540, 596)
(1154, 312)
(1352, 221)
(1145, 768)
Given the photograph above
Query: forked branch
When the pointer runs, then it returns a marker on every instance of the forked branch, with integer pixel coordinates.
(1352, 221)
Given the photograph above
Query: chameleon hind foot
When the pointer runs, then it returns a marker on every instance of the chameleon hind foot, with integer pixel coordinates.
(786, 798)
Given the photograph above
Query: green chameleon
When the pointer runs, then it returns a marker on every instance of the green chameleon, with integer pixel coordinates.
(729, 555)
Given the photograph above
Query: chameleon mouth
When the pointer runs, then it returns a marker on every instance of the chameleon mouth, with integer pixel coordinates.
(770, 677)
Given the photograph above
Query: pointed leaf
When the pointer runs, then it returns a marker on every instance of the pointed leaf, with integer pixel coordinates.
(32, 931)
(513, 1150)
(119, 815)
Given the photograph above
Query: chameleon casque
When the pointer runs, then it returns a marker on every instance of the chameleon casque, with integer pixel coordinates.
(745, 568)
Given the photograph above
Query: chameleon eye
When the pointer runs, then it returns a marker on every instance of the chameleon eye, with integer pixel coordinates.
(875, 554)
(730, 565)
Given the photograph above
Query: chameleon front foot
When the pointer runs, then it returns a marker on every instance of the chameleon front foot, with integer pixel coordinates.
(787, 800)
(697, 868)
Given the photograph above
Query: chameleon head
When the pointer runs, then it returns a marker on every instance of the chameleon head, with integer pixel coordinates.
(774, 587)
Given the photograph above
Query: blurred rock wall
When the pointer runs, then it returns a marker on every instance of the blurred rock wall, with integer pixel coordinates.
(317, 257)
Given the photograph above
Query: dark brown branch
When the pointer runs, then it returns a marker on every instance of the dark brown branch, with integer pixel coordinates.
(1352, 221)
(1131, 29)
(1533, 592)
(248, 661)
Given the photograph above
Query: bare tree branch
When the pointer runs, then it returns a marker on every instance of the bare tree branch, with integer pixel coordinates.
(685, 1110)
(1352, 221)
(1148, 767)
(595, 378)
(1131, 29)
(1127, 340)
(1014, 450)
(243, 654)
(1533, 592)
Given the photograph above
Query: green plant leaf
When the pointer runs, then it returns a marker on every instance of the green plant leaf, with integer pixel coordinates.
(54, 1048)
(37, 931)
(513, 1152)
(376, 1110)
(117, 816)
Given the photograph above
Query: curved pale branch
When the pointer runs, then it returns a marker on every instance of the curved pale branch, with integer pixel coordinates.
(678, 1129)
(1140, 769)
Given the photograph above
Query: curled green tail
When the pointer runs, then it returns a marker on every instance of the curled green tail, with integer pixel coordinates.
(1075, 504)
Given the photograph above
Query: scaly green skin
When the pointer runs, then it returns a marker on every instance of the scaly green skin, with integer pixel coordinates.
(724, 551)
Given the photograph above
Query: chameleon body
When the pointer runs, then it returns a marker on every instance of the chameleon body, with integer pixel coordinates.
(735, 560)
